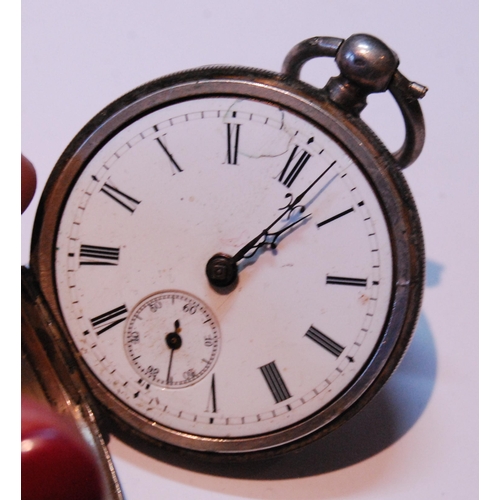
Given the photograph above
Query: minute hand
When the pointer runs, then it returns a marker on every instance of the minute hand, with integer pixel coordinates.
(261, 239)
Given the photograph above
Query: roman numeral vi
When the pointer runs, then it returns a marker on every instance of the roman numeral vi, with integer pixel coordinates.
(275, 382)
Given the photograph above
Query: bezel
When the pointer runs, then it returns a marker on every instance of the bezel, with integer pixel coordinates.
(374, 161)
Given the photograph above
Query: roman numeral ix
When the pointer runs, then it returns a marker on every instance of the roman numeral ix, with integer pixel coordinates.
(275, 382)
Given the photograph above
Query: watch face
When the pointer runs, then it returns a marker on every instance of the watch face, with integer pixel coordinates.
(262, 361)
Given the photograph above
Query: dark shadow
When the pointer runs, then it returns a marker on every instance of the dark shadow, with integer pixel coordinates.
(382, 422)
(433, 274)
(395, 409)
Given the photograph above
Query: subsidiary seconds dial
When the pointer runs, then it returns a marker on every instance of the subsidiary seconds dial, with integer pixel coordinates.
(172, 339)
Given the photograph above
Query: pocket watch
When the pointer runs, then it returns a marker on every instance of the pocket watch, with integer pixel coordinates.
(228, 261)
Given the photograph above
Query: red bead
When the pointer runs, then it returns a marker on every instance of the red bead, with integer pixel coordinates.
(56, 463)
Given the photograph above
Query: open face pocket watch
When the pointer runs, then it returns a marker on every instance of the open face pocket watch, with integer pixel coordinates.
(227, 260)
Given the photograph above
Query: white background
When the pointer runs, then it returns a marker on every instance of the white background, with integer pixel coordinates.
(418, 439)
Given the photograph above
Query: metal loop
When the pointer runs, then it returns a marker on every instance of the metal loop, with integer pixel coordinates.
(406, 94)
(349, 90)
(318, 46)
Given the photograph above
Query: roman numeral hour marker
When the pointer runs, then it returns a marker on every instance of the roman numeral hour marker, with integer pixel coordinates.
(324, 341)
(109, 319)
(91, 255)
(275, 382)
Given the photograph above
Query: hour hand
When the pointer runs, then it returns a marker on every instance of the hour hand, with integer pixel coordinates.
(270, 237)
(265, 238)
(222, 269)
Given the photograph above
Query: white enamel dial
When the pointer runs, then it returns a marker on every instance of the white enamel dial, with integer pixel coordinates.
(201, 177)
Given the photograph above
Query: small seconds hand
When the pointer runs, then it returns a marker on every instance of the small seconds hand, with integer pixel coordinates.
(174, 342)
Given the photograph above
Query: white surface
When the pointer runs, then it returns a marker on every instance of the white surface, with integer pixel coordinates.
(418, 438)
